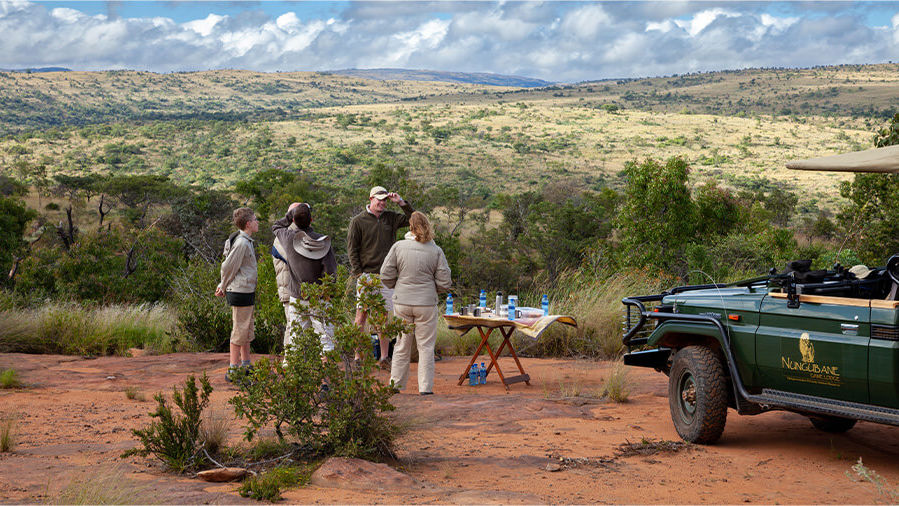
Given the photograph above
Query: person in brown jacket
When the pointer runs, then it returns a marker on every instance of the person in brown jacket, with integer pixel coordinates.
(416, 269)
(238, 285)
(309, 258)
(370, 236)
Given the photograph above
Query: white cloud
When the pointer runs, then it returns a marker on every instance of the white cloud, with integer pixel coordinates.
(204, 27)
(549, 40)
(703, 19)
(586, 22)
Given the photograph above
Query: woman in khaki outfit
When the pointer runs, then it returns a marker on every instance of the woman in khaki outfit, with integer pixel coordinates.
(416, 269)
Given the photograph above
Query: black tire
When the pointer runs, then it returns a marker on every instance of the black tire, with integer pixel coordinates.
(832, 424)
(697, 395)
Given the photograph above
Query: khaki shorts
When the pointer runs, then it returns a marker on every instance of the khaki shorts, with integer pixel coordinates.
(242, 331)
(387, 293)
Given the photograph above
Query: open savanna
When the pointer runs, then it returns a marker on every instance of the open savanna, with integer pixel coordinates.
(500, 147)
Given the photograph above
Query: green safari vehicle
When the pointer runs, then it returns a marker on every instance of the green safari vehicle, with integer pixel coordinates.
(821, 343)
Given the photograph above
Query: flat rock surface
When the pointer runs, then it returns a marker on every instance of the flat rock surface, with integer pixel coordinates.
(463, 445)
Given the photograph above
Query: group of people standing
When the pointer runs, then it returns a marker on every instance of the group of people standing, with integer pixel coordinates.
(411, 272)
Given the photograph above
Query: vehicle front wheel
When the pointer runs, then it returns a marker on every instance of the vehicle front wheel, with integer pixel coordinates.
(832, 424)
(697, 394)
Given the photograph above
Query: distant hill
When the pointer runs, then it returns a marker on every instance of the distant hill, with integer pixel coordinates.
(41, 69)
(451, 77)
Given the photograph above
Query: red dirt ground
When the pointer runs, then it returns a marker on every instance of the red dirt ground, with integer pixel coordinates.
(541, 443)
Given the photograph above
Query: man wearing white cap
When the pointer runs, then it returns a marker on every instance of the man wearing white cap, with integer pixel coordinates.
(309, 259)
(371, 234)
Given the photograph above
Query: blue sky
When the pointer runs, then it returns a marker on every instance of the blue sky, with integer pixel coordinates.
(556, 41)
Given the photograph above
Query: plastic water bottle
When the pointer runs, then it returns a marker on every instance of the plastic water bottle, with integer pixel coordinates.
(449, 304)
(511, 307)
(483, 300)
(482, 376)
(544, 303)
(473, 375)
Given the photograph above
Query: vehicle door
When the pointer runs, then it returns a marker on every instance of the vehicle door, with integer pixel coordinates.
(883, 367)
(819, 348)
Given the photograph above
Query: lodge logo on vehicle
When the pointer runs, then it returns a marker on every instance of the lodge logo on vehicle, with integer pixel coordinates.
(808, 370)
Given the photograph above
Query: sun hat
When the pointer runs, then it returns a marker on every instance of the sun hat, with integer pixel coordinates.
(378, 192)
(313, 249)
(860, 271)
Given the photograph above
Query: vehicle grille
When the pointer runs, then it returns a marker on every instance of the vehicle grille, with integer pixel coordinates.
(885, 332)
(631, 316)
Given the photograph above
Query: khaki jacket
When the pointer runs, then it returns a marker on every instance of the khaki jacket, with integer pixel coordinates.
(239, 268)
(416, 271)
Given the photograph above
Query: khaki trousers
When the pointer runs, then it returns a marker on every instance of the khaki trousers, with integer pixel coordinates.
(425, 336)
(242, 331)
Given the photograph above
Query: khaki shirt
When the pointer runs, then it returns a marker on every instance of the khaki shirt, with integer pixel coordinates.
(239, 268)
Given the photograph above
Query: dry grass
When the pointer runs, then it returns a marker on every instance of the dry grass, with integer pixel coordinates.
(72, 329)
(214, 429)
(109, 486)
(134, 394)
(618, 385)
(595, 302)
(7, 433)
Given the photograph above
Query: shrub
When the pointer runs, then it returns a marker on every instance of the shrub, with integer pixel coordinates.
(204, 320)
(134, 394)
(347, 419)
(268, 486)
(9, 378)
(175, 439)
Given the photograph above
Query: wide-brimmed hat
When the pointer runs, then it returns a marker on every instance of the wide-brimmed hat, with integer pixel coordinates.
(860, 271)
(313, 249)
(378, 192)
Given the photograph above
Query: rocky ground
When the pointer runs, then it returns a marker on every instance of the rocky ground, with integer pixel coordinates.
(554, 441)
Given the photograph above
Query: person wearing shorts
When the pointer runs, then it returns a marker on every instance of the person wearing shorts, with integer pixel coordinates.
(370, 236)
(238, 285)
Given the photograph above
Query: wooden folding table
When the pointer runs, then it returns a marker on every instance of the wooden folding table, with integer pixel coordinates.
(532, 327)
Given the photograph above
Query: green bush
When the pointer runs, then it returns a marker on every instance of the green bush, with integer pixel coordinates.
(9, 378)
(268, 486)
(204, 320)
(347, 419)
(95, 268)
(175, 439)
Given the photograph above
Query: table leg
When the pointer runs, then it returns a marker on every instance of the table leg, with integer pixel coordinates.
(515, 356)
(507, 334)
(493, 362)
(474, 358)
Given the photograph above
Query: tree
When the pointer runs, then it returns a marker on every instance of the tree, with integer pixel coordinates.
(871, 218)
(658, 218)
(14, 217)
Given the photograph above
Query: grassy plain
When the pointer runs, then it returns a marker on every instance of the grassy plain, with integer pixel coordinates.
(214, 128)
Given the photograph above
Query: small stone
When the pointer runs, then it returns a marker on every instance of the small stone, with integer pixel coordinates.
(110, 377)
(222, 474)
(553, 468)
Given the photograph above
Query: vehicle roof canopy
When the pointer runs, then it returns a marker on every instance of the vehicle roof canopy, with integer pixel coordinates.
(879, 160)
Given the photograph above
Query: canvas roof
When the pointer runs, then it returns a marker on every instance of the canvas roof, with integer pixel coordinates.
(883, 160)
